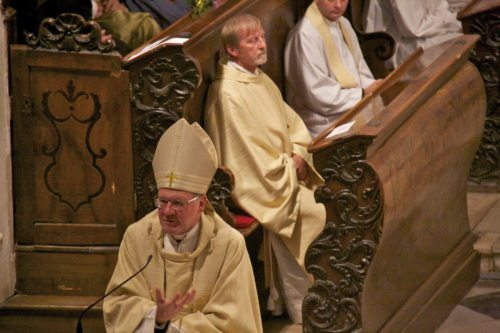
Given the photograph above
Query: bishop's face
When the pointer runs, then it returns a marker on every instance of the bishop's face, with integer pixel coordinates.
(179, 211)
(252, 49)
(332, 9)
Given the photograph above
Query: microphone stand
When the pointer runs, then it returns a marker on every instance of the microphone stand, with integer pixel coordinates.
(79, 328)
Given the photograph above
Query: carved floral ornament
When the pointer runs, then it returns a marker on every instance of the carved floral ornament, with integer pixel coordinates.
(341, 255)
(69, 32)
(486, 57)
(159, 92)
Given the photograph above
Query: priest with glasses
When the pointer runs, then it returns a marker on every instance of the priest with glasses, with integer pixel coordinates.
(200, 278)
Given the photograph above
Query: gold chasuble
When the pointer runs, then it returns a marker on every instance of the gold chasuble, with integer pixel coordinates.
(219, 269)
(255, 133)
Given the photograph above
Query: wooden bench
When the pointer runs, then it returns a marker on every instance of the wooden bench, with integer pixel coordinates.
(396, 254)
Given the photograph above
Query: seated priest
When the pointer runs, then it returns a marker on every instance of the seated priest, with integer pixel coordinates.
(264, 143)
(200, 277)
(325, 71)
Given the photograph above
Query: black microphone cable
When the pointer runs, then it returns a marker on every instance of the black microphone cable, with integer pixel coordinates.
(79, 328)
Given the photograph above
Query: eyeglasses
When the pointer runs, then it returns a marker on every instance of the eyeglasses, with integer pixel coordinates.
(174, 204)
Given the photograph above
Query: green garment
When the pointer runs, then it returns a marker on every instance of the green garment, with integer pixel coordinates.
(130, 29)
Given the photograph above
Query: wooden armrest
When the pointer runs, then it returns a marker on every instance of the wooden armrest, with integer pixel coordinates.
(250, 229)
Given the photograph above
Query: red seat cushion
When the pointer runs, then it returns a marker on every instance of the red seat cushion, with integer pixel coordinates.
(243, 221)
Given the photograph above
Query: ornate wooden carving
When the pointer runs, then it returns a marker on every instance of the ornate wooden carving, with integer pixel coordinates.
(378, 47)
(486, 163)
(339, 258)
(159, 92)
(219, 193)
(69, 32)
(486, 56)
(86, 115)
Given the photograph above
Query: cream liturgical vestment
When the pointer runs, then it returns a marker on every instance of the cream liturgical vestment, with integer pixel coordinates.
(255, 133)
(312, 86)
(219, 269)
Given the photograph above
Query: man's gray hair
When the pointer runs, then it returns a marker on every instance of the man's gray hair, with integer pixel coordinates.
(235, 25)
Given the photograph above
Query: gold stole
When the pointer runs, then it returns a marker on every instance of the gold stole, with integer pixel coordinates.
(345, 78)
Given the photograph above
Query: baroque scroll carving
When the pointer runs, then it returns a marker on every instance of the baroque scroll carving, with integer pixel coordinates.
(486, 57)
(158, 94)
(341, 255)
(219, 193)
(69, 32)
(383, 44)
(378, 47)
(82, 109)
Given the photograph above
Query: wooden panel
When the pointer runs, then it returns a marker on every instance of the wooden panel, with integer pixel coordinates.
(72, 142)
(434, 299)
(94, 63)
(63, 273)
(59, 322)
(55, 314)
(75, 234)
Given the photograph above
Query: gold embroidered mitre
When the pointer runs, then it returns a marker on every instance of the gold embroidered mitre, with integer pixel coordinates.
(185, 158)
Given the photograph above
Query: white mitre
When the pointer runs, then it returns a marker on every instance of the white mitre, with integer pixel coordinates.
(185, 158)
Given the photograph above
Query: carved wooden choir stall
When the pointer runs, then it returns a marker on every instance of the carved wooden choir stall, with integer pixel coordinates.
(73, 174)
(482, 17)
(396, 243)
(396, 253)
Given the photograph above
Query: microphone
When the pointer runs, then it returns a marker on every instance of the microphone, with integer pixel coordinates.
(79, 324)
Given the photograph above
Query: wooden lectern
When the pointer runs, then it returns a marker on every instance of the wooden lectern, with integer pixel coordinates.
(396, 253)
